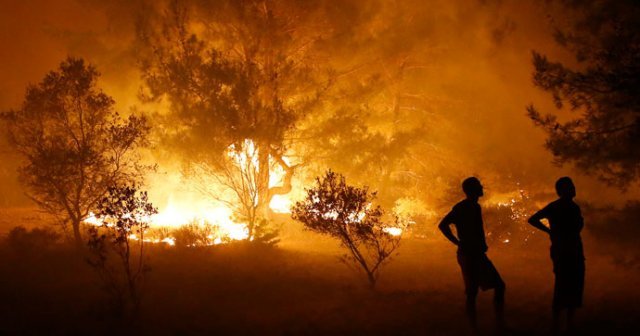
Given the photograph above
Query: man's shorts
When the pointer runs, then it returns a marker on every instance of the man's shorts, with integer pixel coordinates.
(478, 271)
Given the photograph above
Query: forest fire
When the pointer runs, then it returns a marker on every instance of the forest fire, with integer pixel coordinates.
(394, 231)
(324, 167)
(215, 218)
(176, 215)
(216, 221)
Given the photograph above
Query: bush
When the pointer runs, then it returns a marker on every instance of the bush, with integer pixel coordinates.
(117, 246)
(194, 234)
(346, 213)
(23, 241)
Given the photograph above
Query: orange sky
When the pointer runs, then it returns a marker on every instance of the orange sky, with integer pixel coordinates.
(480, 74)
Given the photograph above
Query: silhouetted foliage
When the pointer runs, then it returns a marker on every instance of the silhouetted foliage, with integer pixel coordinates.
(197, 234)
(117, 245)
(345, 212)
(73, 143)
(603, 86)
(267, 232)
(248, 75)
(24, 241)
(194, 234)
(235, 180)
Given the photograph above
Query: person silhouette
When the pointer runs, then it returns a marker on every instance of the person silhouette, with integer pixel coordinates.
(477, 269)
(565, 224)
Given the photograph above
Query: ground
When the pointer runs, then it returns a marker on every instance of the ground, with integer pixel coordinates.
(300, 288)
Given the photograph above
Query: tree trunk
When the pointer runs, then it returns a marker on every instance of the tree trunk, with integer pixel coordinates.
(263, 180)
(77, 236)
(372, 281)
(286, 186)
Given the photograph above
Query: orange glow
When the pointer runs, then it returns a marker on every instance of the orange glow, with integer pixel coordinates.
(394, 231)
(183, 207)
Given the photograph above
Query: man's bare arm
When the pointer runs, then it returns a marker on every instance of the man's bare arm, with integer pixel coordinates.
(536, 223)
(445, 227)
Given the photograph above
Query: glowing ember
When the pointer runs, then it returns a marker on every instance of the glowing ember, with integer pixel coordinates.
(394, 231)
(168, 240)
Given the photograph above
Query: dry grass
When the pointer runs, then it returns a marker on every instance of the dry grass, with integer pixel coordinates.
(301, 288)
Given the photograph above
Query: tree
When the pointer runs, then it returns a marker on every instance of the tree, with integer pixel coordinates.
(374, 121)
(319, 82)
(124, 214)
(73, 143)
(234, 73)
(603, 86)
(235, 180)
(345, 212)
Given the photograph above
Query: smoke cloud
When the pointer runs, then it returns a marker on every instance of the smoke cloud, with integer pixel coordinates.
(472, 64)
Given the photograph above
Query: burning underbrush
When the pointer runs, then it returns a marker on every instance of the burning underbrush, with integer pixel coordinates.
(197, 233)
(189, 225)
(194, 233)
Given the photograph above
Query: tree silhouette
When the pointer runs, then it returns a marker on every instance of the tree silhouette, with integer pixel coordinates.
(73, 143)
(124, 214)
(238, 175)
(345, 212)
(246, 76)
(603, 87)
(300, 80)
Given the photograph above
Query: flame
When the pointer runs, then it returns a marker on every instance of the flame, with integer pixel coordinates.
(92, 219)
(176, 215)
(180, 207)
(394, 231)
(281, 204)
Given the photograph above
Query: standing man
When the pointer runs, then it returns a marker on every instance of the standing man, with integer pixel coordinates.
(477, 269)
(565, 224)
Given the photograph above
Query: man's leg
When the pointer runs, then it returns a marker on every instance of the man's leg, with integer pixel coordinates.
(468, 266)
(472, 294)
(555, 324)
(498, 301)
(490, 278)
(558, 301)
(571, 312)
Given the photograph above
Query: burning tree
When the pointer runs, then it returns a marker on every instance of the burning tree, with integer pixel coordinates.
(234, 74)
(299, 80)
(124, 214)
(346, 212)
(73, 143)
(238, 175)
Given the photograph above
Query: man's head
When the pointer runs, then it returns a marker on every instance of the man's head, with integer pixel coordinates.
(472, 187)
(565, 188)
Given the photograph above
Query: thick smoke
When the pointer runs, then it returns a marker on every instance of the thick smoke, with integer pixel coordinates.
(472, 64)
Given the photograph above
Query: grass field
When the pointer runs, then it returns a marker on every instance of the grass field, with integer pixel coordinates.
(300, 288)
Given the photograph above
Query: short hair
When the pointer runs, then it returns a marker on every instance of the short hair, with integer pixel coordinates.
(469, 183)
(563, 184)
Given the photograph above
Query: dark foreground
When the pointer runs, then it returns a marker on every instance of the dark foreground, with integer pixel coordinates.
(297, 289)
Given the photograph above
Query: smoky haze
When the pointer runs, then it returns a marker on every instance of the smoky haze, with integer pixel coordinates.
(472, 69)
(445, 86)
